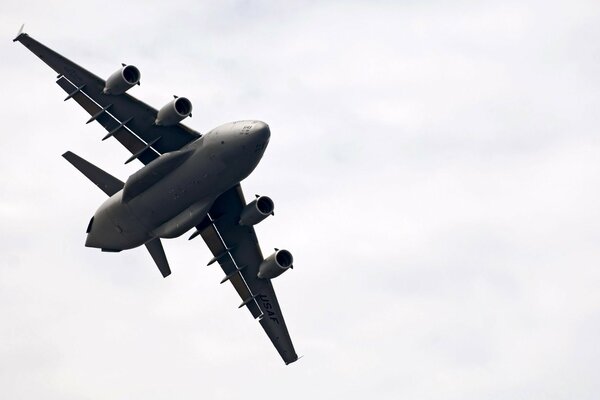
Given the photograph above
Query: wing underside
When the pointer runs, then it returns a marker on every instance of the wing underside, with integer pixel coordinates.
(125, 118)
(235, 248)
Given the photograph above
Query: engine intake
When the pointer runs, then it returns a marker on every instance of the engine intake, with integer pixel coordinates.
(174, 112)
(276, 264)
(257, 211)
(122, 80)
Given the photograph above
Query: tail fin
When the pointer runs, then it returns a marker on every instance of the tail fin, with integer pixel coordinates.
(105, 181)
(158, 255)
(111, 185)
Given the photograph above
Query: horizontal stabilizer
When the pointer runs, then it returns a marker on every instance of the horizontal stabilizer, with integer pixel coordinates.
(158, 255)
(105, 181)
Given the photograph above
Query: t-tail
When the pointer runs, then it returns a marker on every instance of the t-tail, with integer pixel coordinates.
(111, 185)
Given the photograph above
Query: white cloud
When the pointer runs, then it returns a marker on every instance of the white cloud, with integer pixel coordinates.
(433, 167)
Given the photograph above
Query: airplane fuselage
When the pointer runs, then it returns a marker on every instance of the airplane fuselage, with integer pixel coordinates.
(155, 203)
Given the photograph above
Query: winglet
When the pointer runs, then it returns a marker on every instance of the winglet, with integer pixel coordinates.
(293, 361)
(19, 33)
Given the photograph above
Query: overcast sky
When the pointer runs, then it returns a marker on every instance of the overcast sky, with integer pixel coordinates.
(435, 172)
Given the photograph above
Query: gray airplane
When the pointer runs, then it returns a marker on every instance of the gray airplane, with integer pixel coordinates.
(189, 181)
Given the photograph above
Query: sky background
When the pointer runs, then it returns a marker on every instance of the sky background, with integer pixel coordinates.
(434, 167)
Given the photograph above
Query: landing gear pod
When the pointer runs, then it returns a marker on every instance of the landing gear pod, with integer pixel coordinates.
(122, 80)
(174, 112)
(276, 264)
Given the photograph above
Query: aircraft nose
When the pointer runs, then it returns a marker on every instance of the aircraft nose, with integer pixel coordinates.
(247, 143)
(261, 131)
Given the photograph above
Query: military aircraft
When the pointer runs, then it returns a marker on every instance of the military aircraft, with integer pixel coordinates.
(189, 181)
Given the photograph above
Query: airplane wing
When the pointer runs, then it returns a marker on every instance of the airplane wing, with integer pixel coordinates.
(236, 249)
(127, 119)
(131, 122)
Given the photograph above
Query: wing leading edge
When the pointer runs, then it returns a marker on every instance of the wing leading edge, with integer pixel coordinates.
(236, 249)
(129, 120)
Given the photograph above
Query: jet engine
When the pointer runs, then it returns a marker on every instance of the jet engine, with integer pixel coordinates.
(174, 111)
(276, 264)
(122, 80)
(257, 211)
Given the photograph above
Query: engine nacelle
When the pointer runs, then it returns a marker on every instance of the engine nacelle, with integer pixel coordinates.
(122, 80)
(276, 264)
(174, 111)
(257, 211)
